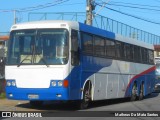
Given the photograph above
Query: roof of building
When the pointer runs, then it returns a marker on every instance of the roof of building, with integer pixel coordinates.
(4, 37)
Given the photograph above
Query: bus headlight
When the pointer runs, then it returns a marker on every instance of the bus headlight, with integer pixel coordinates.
(8, 83)
(53, 83)
(60, 83)
(13, 83)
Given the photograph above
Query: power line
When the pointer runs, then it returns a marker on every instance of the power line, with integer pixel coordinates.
(134, 6)
(142, 5)
(73, 4)
(130, 15)
(36, 7)
(33, 8)
(51, 5)
(102, 7)
(142, 8)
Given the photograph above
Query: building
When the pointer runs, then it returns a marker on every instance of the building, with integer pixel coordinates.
(3, 50)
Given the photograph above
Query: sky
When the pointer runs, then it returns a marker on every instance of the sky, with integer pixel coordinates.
(142, 9)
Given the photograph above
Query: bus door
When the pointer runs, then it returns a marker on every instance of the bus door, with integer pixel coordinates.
(75, 66)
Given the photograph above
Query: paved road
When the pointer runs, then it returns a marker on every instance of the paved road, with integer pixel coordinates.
(150, 103)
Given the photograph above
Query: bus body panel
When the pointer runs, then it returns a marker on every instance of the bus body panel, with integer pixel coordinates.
(114, 78)
(35, 77)
(75, 83)
(37, 93)
(110, 78)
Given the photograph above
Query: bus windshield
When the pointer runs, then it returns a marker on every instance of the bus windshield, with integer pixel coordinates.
(38, 47)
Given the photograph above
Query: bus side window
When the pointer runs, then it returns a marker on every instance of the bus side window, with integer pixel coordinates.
(74, 48)
(151, 56)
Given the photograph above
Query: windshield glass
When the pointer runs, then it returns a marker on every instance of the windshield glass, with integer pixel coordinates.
(39, 47)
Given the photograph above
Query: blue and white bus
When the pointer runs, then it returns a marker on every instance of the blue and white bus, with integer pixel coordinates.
(71, 61)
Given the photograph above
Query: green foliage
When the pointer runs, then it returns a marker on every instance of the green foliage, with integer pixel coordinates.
(2, 95)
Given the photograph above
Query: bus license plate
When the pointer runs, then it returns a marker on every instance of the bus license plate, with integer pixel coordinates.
(33, 96)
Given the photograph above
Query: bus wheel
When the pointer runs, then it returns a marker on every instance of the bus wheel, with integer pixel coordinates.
(84, 103)
(36, 103)
(134, 92)
(141, 94)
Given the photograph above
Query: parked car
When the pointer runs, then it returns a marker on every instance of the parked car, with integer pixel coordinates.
(157, 87)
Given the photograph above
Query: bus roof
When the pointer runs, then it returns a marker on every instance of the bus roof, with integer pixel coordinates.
(82, 27)
(45, 24)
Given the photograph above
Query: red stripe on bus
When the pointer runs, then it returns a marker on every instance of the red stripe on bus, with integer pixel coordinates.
(141, 74)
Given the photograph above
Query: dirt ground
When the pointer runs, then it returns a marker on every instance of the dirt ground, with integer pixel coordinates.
(6, 102)
(14, 105)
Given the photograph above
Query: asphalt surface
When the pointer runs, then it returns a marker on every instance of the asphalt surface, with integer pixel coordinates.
(98, 110)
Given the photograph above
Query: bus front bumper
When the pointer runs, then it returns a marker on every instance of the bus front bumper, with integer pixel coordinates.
(37, 93)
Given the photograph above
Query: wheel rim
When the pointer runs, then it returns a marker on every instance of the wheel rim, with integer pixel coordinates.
(86, 98)
(141, 93)
(134, 91)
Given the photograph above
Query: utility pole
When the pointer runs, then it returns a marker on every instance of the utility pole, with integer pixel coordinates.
(89, 11)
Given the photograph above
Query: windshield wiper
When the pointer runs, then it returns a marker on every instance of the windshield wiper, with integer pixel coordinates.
(43, 60)
(23, 61)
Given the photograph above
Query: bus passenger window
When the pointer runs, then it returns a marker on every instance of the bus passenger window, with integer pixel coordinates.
(119, 50)
(74, 49)
(151, 56)
(87, 44)
(137, 54)
(132, 52)
(110, 48)
(127, 51)
(144, 55)
(99, 46)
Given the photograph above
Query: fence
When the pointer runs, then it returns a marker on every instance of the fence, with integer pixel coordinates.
(100, 22)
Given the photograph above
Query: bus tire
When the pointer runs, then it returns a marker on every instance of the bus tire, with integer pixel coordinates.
(134, 92)
(84, 103)
(141, 94)
(36, 103)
